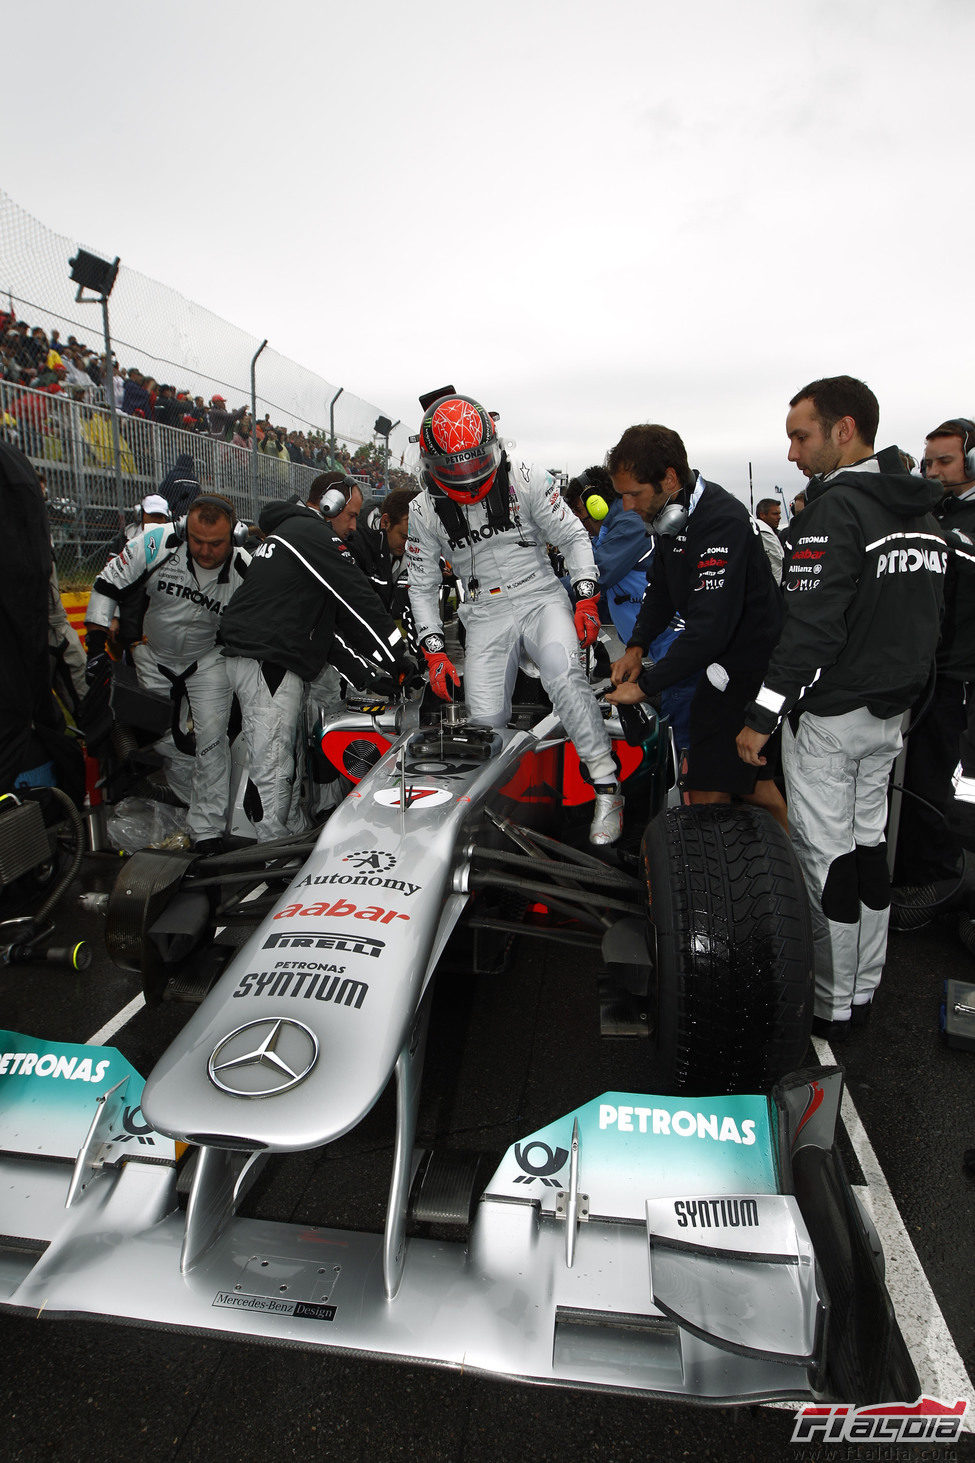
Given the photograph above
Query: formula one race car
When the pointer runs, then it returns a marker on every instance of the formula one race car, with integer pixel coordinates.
(701, 1243)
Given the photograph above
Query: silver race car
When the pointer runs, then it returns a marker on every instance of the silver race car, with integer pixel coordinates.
(701, 1242)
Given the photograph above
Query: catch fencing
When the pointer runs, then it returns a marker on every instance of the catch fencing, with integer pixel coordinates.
(70, 442)
(173, 339)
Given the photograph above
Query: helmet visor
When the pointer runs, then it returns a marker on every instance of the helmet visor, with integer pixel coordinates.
(467, 476)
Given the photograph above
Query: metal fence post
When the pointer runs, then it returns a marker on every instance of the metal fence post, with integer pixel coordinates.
(158, 469)
(254, 431)
(78, 489)
(331, 424)
(110, 393)
(386, 458)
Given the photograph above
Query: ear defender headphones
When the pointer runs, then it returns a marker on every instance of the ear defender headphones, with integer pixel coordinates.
(670, 521)
(333, 500)
(240, 530)
(967, 445)
(594, 502)
(966, 431)
(673, 516)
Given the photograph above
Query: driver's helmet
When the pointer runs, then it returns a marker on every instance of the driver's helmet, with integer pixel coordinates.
(459, 448)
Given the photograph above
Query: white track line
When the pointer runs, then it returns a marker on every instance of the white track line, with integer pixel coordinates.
(136, 1004)
(933, 1351)
(116, 1023)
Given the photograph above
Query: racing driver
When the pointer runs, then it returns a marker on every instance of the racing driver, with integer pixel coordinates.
(493, 520)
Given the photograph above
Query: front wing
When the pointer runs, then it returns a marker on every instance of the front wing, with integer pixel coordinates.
(642, 1244)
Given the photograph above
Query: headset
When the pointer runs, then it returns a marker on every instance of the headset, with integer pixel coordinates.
(333, 500)
(594, 503)
(967, 434)
(240, 530)
(670, 521)
(372, 511)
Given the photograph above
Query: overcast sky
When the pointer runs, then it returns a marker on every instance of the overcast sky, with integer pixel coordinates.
(586, 216)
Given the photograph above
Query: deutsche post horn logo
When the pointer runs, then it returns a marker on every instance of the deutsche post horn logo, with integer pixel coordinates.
(538, 1161)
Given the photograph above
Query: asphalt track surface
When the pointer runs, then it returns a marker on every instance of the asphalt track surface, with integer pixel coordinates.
(506, 1053)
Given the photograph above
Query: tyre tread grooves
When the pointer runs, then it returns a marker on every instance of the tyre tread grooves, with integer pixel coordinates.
(737, 944)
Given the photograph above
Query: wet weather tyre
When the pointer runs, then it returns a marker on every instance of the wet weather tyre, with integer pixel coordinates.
(733, 949)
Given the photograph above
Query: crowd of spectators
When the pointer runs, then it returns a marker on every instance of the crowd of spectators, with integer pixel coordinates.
(42, 362)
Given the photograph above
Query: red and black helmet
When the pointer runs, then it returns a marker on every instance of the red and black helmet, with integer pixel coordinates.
(459, 448)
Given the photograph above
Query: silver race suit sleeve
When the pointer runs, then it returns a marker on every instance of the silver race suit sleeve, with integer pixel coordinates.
(184, 602)
(538, 498)
(128, 570)
(426, 543)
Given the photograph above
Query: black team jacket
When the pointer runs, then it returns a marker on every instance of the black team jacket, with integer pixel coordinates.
(305, 603)
(956, 653)
(863, 594)
(716, 574)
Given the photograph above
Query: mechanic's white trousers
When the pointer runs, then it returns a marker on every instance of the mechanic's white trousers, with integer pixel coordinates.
(272, 725)
(497, 630)
(323, 703)
(203, 781)
(836, 772)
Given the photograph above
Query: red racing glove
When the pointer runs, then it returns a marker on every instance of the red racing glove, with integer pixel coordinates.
(587, 621)
(441, 667)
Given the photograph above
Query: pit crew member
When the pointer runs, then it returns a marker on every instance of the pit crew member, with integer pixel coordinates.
(767, 516)
(338, 498)
(927, 849)
(623, 551)
(304, 603)
(620, 545)
(710, 566)
(171, 585)
(492, 520)
(863, 596)
(379, 548)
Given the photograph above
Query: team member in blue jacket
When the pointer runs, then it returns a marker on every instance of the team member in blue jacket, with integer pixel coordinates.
(620, 545)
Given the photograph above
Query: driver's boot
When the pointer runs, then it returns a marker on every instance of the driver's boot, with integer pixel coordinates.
(607, 818)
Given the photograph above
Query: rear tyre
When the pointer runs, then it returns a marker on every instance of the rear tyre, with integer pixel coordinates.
(730, 922)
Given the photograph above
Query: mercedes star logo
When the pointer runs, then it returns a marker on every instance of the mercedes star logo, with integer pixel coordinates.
(263, 1058)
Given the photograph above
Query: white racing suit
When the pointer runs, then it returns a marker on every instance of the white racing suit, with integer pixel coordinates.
(513, 601)
(184, 604)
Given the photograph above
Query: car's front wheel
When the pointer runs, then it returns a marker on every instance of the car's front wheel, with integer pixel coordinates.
(733, 958)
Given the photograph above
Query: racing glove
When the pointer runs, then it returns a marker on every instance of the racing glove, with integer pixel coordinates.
(406, 676)
(440, 666)
(95, 715)
(587, 613)
(410, 677)
(373, 684)
(98, 667)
